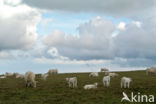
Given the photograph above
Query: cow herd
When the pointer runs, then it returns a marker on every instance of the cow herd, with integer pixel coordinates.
(125, 81)
(73, 81)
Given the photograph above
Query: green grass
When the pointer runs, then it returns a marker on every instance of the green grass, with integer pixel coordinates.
(55, 90)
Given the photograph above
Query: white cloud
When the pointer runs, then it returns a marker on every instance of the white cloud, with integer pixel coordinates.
(94, 41)
(56, 38)
(121, 26)
(137, 23)
(98, 41)
(137, 41)
(18, 25)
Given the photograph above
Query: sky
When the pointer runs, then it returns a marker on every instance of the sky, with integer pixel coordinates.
(76, 35)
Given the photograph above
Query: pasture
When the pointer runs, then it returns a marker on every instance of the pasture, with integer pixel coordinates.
(55, 90)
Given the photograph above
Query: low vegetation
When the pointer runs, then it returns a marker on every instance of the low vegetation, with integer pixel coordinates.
(54, 90)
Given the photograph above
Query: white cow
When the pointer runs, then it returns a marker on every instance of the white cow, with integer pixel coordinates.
(106, 81)
(90, 86)
(20, 76)
(125, 82)
(72, 82)
(2, 77)
(15, 74)
(8, 74)
(93, 74)
(44, 76)
(113, 74)
(151, 70)
(52, 71)
(30, 79)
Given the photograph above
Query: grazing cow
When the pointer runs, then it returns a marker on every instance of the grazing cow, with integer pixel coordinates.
(44, 76)
(125, 82)
(30, 79)
(90, 86)
(72, 82)
(8, 74)
(2, 77)
(151, 70)
(52, 71)
(93, 74)
(104, 70)
(20, 76)
(15, 74)
(106, 81)
(113, 74)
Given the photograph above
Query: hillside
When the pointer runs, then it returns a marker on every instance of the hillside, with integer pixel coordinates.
(55, 90)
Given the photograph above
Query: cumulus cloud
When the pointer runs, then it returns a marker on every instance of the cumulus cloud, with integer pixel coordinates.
(98, 41)
(115, 7)
(135, 42)
(94, 41)
(18, 25)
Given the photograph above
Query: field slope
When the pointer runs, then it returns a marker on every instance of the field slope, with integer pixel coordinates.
(55, 90)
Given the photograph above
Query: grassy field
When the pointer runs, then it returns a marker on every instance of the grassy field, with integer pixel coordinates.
(55, 90)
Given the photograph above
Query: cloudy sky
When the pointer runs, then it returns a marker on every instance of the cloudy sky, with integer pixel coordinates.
(76, 35)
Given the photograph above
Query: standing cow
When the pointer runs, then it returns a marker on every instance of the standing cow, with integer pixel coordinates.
(151, 70)
(52, 71)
